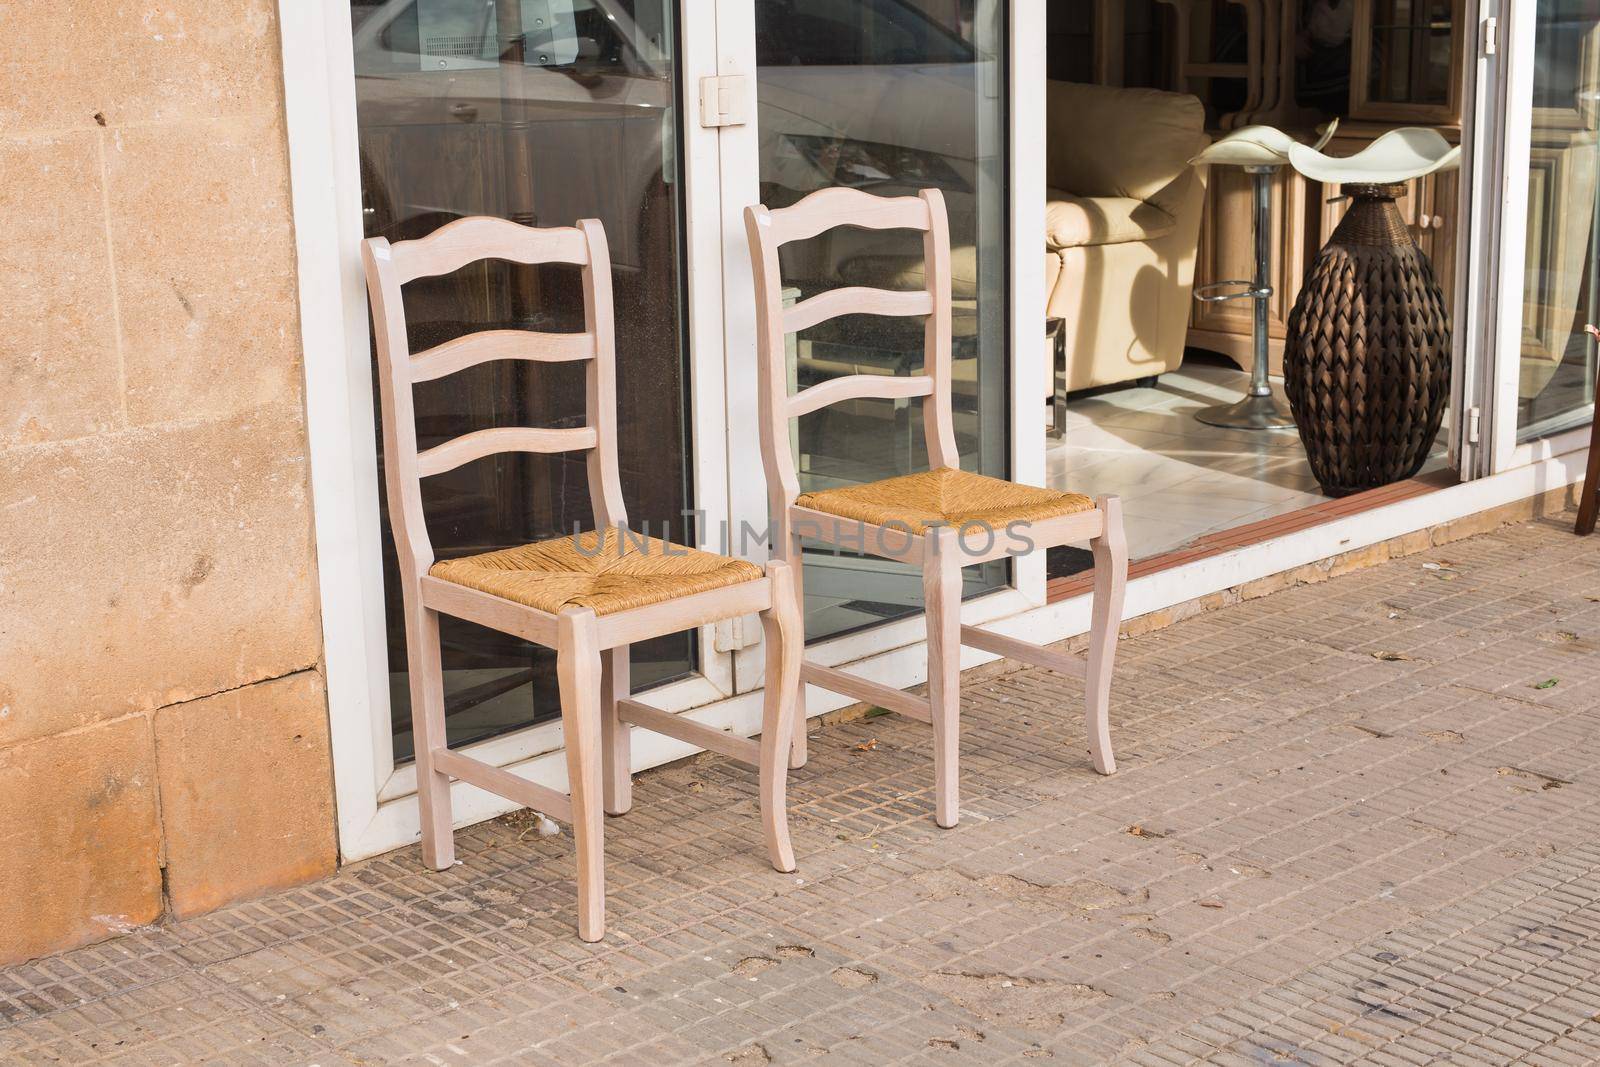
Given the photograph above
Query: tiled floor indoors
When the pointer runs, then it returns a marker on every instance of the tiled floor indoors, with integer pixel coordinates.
(1179, 478)
(1354, 821)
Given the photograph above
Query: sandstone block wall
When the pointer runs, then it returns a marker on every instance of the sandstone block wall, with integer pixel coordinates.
(163, 725)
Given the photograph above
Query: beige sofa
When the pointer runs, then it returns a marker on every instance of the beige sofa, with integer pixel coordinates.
(1121, 227)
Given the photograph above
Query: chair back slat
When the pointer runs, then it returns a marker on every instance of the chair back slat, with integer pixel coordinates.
(767, 230)
(856, 300)
(449, 248)
(858, 387)
(839, 206)
(479, 443)
(454, 245)
(489, 345)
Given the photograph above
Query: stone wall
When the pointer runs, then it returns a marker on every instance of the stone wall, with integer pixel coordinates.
(163, 724)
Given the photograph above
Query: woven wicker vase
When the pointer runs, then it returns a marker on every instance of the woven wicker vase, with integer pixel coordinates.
(1366, 365)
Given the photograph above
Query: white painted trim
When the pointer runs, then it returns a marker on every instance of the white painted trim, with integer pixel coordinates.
(700, 167)
(1575, 439)
(1506, 270)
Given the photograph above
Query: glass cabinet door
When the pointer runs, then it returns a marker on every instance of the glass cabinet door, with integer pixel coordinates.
(1405, 58)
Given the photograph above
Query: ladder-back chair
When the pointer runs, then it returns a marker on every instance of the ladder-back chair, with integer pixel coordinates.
(586, 596)
(942, 519)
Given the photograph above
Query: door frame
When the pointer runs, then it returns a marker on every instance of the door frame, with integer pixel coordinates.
(376, 801)
(321, 122)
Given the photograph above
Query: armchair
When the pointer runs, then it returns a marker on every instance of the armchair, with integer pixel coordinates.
(1121, 227)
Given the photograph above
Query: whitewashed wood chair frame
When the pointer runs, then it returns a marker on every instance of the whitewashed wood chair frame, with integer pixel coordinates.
(591, 650)
(938, 551)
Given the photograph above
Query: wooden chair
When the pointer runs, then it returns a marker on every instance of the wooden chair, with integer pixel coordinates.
(586, 597)
(942, 519)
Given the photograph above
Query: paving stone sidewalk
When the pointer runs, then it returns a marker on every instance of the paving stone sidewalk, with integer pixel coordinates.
(1354, 821)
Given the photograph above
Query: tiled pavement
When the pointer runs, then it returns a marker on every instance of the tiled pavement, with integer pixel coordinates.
(1349, 824)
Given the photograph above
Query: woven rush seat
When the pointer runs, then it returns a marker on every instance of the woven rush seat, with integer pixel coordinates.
(618, 574)
(946, 496)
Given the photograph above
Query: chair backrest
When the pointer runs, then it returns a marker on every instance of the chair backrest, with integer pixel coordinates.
(823, 210)
(449, 248)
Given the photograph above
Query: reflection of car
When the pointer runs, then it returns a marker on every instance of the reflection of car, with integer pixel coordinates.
(576, 93)
(453, 123)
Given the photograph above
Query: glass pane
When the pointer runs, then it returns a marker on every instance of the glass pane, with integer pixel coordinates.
(545, 112)
(1411, 42)
(889, 96)
(1557, 371)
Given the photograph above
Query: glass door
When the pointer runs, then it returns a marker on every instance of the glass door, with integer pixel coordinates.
(1550, 280)
(543, 112)
(887, 96)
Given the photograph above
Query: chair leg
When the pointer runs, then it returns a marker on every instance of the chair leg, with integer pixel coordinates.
(428, 734)
(941, 589)
(1589, 502)
(578, 671)
(1110, 583)
(792, 554)
(782, 627)
(615, 735)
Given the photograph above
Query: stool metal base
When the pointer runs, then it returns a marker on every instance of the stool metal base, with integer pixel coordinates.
(1265, 411)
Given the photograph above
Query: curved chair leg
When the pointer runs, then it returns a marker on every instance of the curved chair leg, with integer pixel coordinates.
(578, 671)
(782, 626)
(941, 589)
(792, 555)
(428, 734)
(1110, 582)
(615, 735)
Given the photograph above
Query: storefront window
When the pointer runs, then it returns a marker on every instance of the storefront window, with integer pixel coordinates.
(888, 97)
(1556, 379)
(543, 112)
